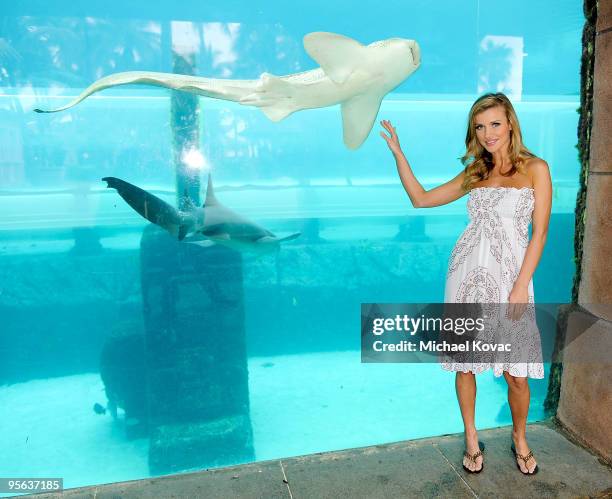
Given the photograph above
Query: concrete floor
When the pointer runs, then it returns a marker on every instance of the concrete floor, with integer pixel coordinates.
(417, 468)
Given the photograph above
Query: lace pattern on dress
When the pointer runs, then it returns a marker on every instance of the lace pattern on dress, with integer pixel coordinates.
(483, 268)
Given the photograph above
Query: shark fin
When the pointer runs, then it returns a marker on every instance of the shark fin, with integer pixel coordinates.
(210, 200)
(274, 239)
(358, 116)
(337, 55)
(204, 243)
(273, 95)
(195, 237)
(182, 232)
(290, 238)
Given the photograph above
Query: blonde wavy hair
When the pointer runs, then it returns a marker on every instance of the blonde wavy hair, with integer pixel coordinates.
(477, 160)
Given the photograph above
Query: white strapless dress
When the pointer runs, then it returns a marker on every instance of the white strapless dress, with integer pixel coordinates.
(483, 267)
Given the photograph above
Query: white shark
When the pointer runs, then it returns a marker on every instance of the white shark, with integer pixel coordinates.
(353, 75)
(210, 224)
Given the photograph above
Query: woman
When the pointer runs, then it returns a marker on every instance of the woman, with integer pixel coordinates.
(493, 261)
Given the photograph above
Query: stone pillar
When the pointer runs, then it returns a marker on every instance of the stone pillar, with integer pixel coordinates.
(196, 359)
(585, 405)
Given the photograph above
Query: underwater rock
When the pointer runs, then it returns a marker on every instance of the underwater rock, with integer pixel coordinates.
(122, 368)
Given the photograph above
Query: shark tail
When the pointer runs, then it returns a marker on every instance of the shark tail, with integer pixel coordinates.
(149, 206)
(233, 90)
(106, 82)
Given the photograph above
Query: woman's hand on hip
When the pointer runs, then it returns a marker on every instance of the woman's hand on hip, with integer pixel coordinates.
(391, 139)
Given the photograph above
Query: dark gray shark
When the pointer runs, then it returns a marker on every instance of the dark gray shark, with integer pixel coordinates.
(211, 223)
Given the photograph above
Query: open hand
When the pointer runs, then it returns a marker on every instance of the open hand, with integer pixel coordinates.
(391, 139)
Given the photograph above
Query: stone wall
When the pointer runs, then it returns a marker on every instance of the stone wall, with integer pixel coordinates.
(585, 405)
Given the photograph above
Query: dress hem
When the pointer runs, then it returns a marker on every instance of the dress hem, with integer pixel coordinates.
(497, 372)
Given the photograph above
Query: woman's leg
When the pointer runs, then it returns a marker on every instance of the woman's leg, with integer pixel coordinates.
(518, 398)
(465, 384)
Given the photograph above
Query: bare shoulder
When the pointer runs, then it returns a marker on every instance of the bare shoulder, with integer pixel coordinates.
(537, 170)
(535, 166)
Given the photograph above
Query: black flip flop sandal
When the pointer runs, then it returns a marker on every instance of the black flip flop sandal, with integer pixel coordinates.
(525, 459)
(472, 457)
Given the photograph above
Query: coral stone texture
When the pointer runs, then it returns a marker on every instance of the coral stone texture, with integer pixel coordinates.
(585, 404)
(604, 15)
(595, 287)
(586, 397)
(601, 138)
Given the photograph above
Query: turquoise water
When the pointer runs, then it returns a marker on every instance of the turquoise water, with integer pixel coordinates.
(193, 343)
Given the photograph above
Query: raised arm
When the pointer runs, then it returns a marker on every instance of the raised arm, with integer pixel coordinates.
(420, 198)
